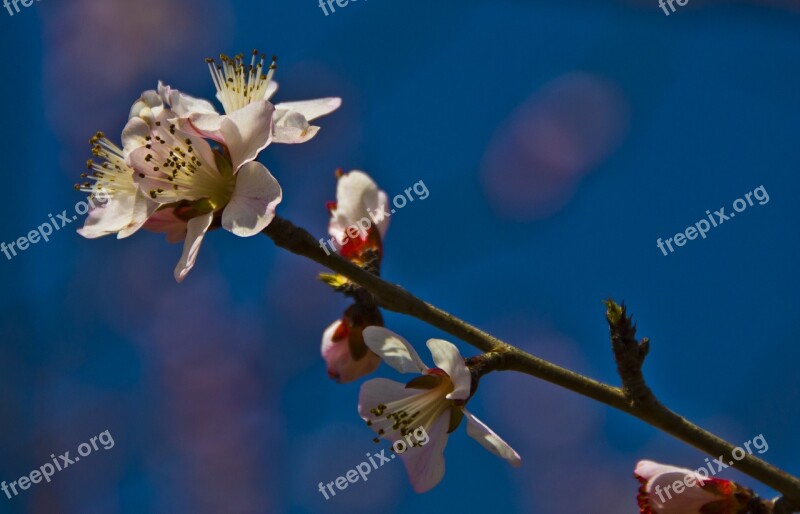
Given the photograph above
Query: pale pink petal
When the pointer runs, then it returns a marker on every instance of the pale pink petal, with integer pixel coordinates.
(186, 105)
(648, 469)
(378, 210)
(478, 430)
(247, 131)
(290, 135)
(690, 499)
(381, 391)
(120, 214)
(357, 197)
(143, 209)
(252, 206)
(165, 222)
(148, 106)
(134, 135)
(109, 217)
(195, 232)
(339, 360)
(272, 88)
(311, 109)
(291, 128)
(208, 125)
(449, 359)
(425, 464)
(394, 350)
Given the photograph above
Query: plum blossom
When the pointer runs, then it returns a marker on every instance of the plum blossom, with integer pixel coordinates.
(434, 400)
(200, 185)
(668, 489)
(123, 209)
(346, 355)
(243, 90)
(358, 216)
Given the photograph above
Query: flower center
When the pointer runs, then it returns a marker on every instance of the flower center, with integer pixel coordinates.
(239, 84)
(112, 175)
(420, 410)
(184, 167)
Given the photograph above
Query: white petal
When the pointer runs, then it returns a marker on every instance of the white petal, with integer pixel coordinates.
(272, 88)
(394, 350)
(691, 499)
(109, 217)
(247, 131)
(489, 440)
(425, 464)
(252, 206)
(148, 106)
(186, 105)
(381, 220)
(291, 127)
(166, 222)
(381, 391)
(311, 109)
(293, 135)
(134, 135)
(357, 197)
(449, 359)
(341, 365)
(648, 469)
(122, 214)
(195, 232)
(143, 209)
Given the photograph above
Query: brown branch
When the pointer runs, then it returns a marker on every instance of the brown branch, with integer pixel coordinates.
(635, 397)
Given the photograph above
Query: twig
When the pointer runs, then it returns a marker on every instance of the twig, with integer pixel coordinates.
(635, 397)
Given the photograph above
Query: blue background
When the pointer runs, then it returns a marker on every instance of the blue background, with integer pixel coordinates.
(558, 140)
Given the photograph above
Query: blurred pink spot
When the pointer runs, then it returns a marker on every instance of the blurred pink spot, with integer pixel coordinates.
(100, 56)
(558, 135)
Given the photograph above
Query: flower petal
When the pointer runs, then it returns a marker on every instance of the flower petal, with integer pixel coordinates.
(291, 127)
(381, 391)
(311, 109)
(195, 232)
(109, 217)
(252, 206)
(134, 135)
(143, 209)
(425, 463)
(247, 131)
(272, 88)
(291, 135)
(147, 107)
(691, 499)
(478, 430)
(357, 197)
(122, 214)
(166, 222)
(394, 350)
(342, 366)
(186, 105)
(449, 359)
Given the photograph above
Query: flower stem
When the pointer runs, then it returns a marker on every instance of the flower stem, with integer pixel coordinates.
(394, 298)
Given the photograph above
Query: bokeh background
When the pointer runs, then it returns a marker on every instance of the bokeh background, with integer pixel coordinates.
(558, 139)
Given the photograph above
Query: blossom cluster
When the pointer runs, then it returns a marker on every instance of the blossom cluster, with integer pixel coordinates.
(185, 168)
(354, 346)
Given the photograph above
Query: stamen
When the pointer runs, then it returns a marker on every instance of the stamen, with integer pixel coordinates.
(238, 84)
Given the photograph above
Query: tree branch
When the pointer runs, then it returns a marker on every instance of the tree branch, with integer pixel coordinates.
(635, 397)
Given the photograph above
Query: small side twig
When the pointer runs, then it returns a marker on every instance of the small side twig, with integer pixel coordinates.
(630, 354)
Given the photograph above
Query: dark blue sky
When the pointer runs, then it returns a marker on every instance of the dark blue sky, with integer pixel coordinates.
(558, 139)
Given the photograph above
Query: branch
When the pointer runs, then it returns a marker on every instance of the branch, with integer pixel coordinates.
(635, 397)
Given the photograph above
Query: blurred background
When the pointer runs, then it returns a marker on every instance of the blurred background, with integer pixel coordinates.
(559, 140)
